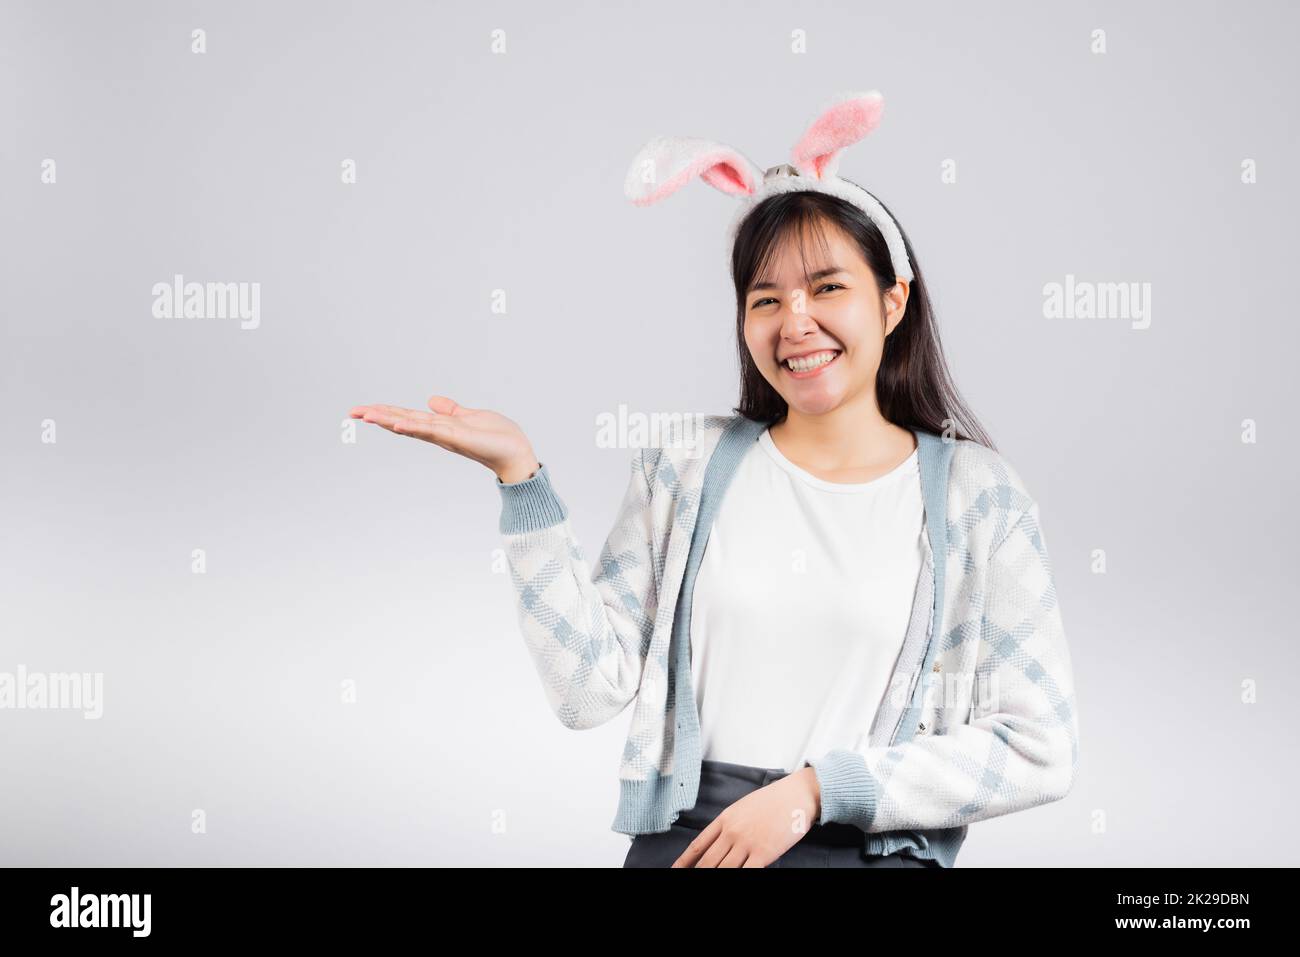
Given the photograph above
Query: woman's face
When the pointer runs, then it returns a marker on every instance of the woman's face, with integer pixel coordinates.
(834, 312)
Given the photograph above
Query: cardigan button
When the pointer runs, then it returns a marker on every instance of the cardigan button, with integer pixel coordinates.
(936, 666)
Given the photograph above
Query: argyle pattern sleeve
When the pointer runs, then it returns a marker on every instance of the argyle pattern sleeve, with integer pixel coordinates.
(1020, 747)
(588, 634)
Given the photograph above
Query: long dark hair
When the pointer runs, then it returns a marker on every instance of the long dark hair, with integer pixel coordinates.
(914, 387)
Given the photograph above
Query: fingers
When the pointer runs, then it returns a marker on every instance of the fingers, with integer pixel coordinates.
(386, 414)
(390, 417)
(719, 854)
(392, 411)
(703, 842)
(736, 857)
(434, 430)
(429, 426)
(385, 423)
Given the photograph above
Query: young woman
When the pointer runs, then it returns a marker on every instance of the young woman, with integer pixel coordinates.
(781, 606)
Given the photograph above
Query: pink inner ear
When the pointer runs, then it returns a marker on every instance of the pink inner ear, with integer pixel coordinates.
(719, 166)
(840, 126)
(726, 177)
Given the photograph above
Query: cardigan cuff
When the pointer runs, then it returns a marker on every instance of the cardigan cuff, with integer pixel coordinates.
(530, 504)
(849, 791)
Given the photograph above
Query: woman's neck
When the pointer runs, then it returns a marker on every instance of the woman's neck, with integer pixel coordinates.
(847, 445)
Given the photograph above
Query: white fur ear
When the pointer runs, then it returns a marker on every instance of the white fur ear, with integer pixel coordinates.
(846, 119)
(667, 163)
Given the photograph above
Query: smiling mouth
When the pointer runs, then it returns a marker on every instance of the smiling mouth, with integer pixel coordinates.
(808, 366)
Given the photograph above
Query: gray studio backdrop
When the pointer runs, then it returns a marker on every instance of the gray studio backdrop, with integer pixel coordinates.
(307, 647)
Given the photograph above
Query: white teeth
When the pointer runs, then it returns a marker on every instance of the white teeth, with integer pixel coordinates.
(808, 363)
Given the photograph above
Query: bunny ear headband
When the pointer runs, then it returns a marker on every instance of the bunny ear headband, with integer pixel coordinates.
(667, 163)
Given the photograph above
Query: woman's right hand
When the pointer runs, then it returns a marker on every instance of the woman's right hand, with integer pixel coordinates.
(487, 437)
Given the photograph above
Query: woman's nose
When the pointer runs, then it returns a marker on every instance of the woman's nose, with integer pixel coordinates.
(796, 322)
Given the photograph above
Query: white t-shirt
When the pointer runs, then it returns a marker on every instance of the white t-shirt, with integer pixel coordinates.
(800, 608)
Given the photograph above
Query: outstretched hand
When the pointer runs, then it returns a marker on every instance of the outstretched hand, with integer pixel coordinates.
(487, 437)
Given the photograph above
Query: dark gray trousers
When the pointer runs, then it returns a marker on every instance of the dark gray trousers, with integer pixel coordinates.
(723, 784)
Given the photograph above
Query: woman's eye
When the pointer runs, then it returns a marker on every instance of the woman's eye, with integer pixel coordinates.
(829, 285)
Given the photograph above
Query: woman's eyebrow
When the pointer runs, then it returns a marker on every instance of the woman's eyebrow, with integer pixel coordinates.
(819, 274)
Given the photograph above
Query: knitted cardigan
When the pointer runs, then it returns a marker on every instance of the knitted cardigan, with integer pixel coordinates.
(979, 716)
